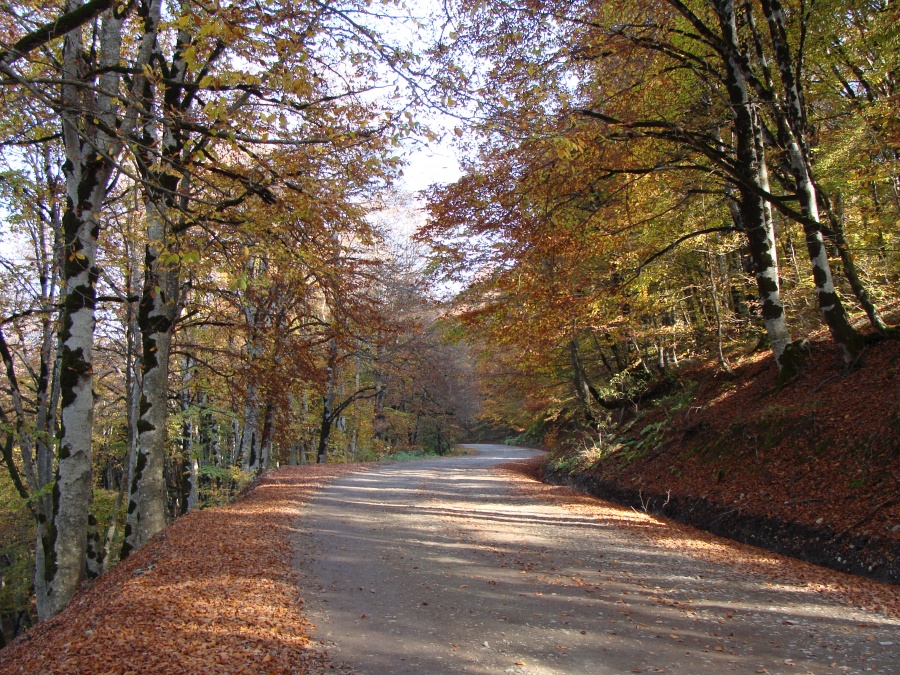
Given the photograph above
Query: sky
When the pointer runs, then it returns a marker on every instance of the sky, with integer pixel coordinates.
(435, 163)
(426, 164)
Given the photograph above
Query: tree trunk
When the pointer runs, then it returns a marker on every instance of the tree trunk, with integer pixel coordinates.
(158, 308)
(265, 441)
(379, 420)
(328, 410)
(836, 220)
(60, 555)
(580, 381)
(190, 467)
(235, 441)
(324, 435)
(209, 434)
(133, 396)
(156, 317)
(715, 298)
(640, 353)
(250, 432)
(620, 358)
(755, 219)
(794, 110)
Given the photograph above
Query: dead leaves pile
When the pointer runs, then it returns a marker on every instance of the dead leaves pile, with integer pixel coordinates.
(214, 593)
(848, 589)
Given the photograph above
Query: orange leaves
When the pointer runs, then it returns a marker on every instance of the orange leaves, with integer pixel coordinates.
(215, 593)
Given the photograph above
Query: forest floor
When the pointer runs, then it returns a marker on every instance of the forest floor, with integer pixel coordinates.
(810, 469)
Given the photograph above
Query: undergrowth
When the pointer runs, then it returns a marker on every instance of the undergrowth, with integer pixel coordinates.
(644, 434)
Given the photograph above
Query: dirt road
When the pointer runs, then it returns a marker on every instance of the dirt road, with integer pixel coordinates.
(440, 567)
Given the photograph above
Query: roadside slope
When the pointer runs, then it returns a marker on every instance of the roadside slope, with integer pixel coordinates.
(811, 469)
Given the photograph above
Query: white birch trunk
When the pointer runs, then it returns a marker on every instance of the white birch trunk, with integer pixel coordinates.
(62, 546)
(156, 316)
(265, 443)
(194, 494)
(90, 105)
(842, 332)
(250, 433)
(756, 220)
(157, 312)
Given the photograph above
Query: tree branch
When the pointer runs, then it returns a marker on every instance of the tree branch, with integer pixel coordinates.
(54, 29)
(680, 241)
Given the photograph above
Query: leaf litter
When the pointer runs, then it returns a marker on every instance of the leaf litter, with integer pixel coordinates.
(215, 592)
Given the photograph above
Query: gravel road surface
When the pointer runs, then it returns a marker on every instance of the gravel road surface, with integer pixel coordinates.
(439, 566)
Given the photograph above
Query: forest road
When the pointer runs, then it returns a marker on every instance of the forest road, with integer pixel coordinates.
(441, 567)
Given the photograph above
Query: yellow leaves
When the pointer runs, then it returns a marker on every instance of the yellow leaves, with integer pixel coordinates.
(845, 150)
(184, 22)
(566, 148)
(296, 82)
(190, 55)
(215, 110)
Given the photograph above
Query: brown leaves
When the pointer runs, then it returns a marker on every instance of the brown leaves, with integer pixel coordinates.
(217, 593)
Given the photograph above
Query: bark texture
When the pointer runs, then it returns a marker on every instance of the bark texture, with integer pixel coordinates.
(158, 307)
(156, 317)
(63, 536)
(755, 216)
(795, 134)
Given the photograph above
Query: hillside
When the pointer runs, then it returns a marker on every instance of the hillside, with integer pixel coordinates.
(810, 469)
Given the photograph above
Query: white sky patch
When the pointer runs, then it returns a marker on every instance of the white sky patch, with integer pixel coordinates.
(434, 163)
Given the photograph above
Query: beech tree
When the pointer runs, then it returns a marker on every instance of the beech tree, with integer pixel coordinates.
(613, 64)
(206, 293)
(158, 95)
(631, 164)
(292, 106)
